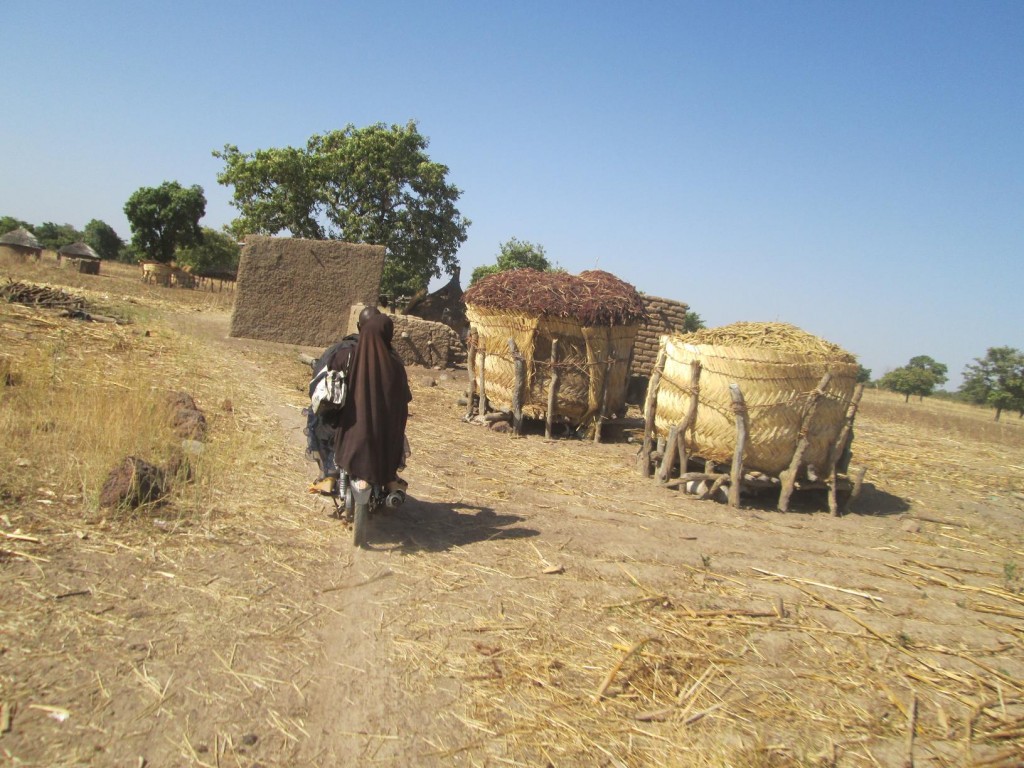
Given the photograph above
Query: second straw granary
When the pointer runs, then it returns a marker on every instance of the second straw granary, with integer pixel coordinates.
(576, 331)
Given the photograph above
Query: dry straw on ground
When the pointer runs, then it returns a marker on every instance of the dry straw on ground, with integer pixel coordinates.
(708, 667)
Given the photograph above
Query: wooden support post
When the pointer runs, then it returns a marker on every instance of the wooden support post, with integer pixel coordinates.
(669, 457)
(519, 365)
(739, 407)
(713, 489)
(471, 367)
(857, 476)
(691, 415)
(687, 477)
(603, 399)
(675, 445)
(483, 382)
(552, 389)
(650, 407)
(839, 446)
(788, 476)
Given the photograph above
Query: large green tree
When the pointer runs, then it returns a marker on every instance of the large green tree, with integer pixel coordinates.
(514, 254)
(165, 218)
(218, 252)
(102, 238)
(363, 185)
(996, 380)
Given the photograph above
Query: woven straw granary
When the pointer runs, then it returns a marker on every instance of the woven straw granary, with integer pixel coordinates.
(777, 367)
(594, 316)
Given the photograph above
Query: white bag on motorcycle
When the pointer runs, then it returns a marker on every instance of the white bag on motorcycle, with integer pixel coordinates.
(329, 390)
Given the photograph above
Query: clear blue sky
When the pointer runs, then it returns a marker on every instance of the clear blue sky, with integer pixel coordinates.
(853, 168)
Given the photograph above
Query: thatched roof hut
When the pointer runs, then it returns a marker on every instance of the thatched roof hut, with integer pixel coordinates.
(778, 367)
(20, 242)
(81, 257)
(594, 318)
(445, 305)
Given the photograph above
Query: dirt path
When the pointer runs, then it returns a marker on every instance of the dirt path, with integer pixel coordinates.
(535, 603)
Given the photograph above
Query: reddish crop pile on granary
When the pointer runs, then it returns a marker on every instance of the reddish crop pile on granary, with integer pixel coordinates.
(593, 297)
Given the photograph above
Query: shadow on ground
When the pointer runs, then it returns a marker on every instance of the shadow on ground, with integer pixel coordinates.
(435, 526)
(871, 501)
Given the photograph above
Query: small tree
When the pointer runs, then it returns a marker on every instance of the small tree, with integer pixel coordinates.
(56, 236)
(938, 370)
(863, 374)
(9, 224)
(102, 238)
(996, 380)
(515, 254)
(219, 252)
(165, 218)
(918, 377)
(692, 322)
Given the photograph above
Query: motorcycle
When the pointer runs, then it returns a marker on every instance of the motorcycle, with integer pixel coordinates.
(355, 500)
(361, 500)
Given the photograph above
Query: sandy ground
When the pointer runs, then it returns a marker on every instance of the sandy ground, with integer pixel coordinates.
(535, 602)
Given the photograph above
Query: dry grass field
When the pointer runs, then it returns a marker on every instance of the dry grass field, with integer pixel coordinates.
(535, 603)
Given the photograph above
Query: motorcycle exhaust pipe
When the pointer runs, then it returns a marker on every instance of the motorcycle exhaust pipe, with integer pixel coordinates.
(395, 499)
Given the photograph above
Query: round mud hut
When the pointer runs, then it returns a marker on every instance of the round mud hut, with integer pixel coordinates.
(770, 396)
(80, 257)
(21, 244)
(552, 346)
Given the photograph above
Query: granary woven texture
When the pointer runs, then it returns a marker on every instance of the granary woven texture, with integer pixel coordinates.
(594, 316)
(777, 367)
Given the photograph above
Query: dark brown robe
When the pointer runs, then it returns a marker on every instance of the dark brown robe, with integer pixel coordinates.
(372, 435)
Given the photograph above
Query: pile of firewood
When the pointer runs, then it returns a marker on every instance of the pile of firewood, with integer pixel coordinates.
(41, 296)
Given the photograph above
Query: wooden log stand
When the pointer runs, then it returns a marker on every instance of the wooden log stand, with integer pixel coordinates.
(471, 367)
(556, 374)
(675, 445)
(836, 453)
(789, 475)
(519, 366)
(739, 407)
(650, 407)
(603, 397)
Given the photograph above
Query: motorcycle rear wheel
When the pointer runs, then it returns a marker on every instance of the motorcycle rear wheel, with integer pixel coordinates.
(360, 522)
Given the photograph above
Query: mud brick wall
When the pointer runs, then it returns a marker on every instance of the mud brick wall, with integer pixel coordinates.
(299, 291)
(414, 337)
(666, 316)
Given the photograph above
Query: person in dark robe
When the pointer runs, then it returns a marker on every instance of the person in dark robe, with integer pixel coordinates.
(371, 438)
(321, 428)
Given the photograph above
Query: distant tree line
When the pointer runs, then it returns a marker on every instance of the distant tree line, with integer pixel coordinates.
(165, 228)
(995, 380)
(97, 234)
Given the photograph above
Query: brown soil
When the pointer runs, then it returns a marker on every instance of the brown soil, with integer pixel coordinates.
(535, 602)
